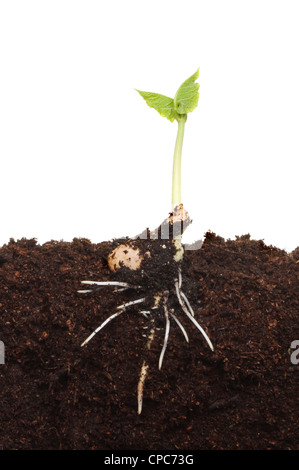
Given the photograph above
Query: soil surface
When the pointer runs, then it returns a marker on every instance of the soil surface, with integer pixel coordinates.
(54, 394)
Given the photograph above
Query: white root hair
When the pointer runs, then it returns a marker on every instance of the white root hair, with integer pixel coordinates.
(179, 325)
(129, 304)
(120, 286)
(189, 315)
(140, 386)
(167, 328)
(121, 309)
(114, 315)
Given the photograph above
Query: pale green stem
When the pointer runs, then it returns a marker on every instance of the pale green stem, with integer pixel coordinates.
(177, 158)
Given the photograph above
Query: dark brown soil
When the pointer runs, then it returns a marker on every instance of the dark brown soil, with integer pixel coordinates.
(56, 395)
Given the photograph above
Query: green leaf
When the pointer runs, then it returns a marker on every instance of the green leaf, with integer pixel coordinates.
(163, 104)
(186, 98)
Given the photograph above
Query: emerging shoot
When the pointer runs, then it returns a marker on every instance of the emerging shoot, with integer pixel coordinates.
(185, 101)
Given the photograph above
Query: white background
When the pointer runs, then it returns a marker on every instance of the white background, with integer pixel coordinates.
(83, 156)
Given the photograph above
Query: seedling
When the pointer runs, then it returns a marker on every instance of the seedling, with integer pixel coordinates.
(151, 263)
